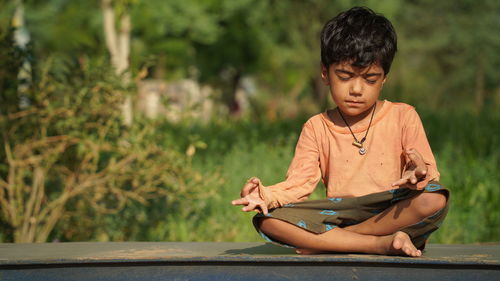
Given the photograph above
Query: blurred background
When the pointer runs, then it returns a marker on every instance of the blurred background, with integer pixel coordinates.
(140, 120)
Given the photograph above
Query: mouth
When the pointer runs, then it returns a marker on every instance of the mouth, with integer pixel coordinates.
(353, 103)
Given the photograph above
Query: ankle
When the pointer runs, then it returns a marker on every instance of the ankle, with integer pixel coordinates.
(384, 244)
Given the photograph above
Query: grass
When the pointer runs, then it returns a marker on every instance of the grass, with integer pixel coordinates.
(465, 146)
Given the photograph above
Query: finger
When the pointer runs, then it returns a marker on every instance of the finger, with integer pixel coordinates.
(421, 170)
(263, 207)
(241, 201)
(248, 207)
(255, 180)
(401, 181)
(416, 157)
(247, 188)
(413, 179)
(420, 173)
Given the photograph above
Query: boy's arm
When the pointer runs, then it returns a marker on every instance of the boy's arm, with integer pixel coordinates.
(303, 174)
(415, 139)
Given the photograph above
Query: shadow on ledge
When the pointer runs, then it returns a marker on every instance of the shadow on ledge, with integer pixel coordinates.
(266, 249)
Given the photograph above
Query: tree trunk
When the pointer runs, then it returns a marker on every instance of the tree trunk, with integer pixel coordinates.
(22, 38)
(118, 44)
(230, 83)
(234, 106)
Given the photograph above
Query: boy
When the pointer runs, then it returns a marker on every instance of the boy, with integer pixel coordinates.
(372, 155)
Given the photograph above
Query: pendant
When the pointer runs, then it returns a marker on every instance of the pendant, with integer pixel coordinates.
(357, 144)
(362, 151)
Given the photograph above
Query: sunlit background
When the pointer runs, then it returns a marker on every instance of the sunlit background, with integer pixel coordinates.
(140, 120)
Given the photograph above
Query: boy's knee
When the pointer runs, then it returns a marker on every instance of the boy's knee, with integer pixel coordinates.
(428, 204)
(266, 224)
(273, 227)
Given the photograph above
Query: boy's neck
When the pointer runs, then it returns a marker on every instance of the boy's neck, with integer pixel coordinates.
(356, 121)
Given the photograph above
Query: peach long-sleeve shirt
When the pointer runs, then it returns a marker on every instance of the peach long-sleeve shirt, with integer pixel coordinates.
(325, 151)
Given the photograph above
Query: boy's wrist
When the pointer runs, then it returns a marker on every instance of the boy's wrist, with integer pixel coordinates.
(266, 196)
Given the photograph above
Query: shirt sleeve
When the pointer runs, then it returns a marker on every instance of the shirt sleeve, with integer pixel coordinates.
(303, 174)
(414, 137)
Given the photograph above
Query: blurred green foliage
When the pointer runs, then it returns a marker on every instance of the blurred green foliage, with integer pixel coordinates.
(69, 169)
(447, 49)
(446, 66)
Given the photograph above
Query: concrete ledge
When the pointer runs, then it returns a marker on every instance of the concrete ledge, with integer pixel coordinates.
(236, 261)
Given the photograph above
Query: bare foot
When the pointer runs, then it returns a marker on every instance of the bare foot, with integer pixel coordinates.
(402, 246)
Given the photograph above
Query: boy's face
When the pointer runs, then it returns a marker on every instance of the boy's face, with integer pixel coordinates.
(354, 90)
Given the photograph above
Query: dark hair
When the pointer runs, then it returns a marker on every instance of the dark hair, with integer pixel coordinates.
(358, 36)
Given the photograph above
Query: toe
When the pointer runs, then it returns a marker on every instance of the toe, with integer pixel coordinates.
(407, 250)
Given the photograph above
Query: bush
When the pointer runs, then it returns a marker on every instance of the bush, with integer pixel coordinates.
(67, 162)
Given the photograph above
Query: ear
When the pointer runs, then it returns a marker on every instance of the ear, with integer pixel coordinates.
(324, 75)
(383, 82)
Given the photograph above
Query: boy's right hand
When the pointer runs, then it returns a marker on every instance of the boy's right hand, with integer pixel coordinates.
(250, 197)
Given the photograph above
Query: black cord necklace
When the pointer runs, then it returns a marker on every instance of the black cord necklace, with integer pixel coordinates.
(357, 143)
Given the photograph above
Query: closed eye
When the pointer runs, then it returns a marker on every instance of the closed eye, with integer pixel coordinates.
(372, 78)
(343, 75)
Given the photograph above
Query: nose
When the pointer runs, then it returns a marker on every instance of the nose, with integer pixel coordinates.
(356, 87)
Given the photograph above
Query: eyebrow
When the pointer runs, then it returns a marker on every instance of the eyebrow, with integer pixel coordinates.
(352, 73)
(372, 74)
(344, 71)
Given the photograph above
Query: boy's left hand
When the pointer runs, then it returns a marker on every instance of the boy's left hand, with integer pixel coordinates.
(415, 171)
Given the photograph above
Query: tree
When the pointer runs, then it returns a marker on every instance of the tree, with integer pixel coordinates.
(118, 43)
(449, 52)
(237, 51)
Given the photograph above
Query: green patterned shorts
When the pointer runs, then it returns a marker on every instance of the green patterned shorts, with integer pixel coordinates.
(319, 216)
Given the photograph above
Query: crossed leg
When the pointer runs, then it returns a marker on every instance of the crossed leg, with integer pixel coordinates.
(377, 235)
(401, 214)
